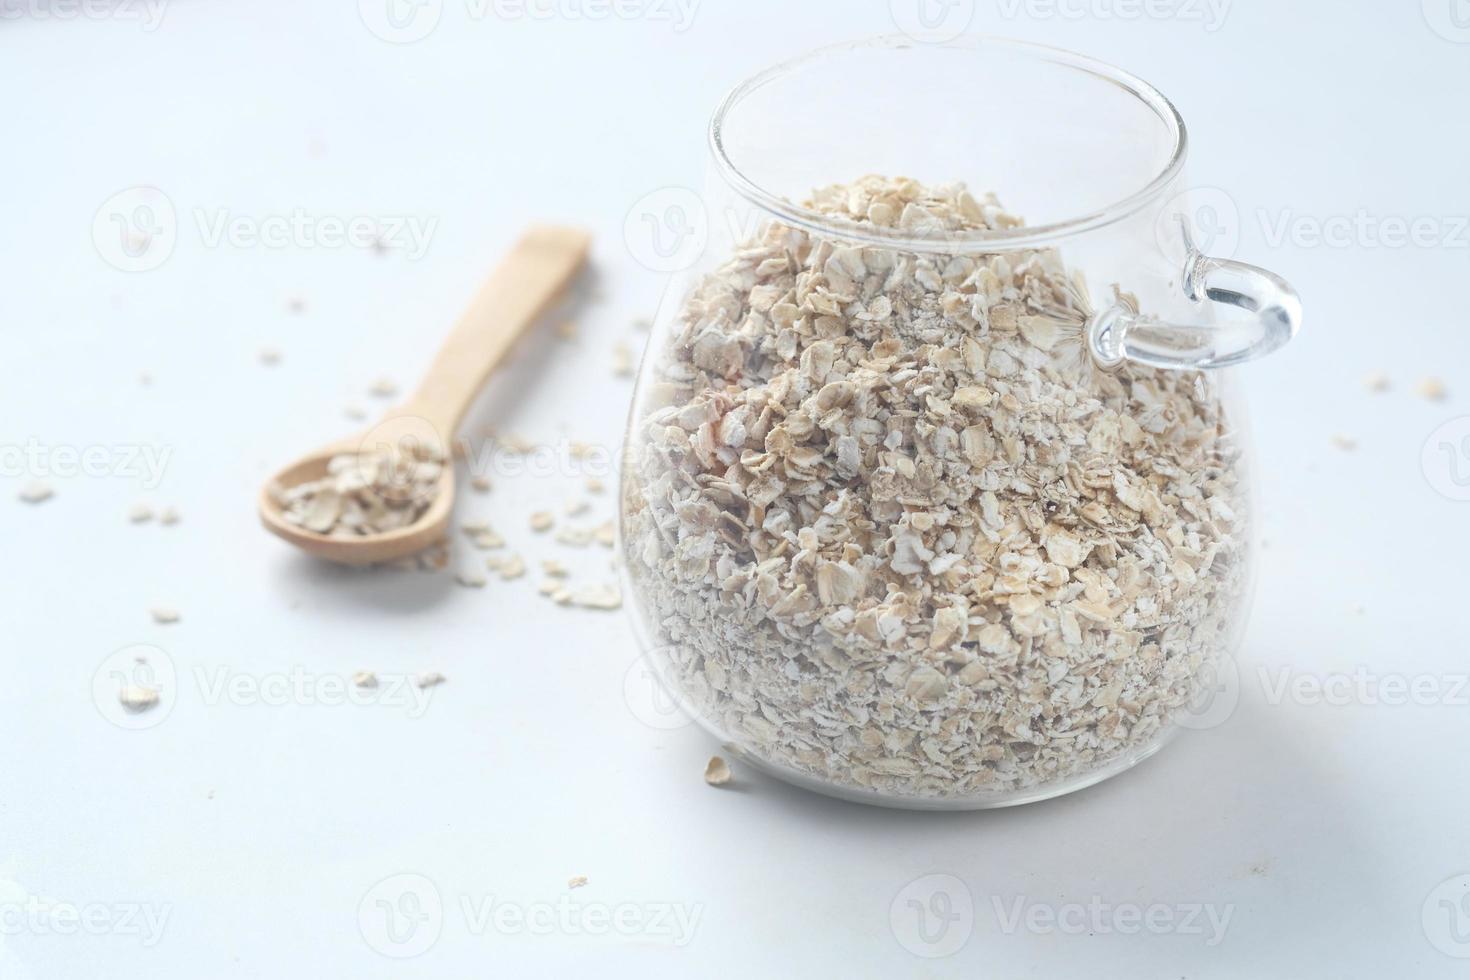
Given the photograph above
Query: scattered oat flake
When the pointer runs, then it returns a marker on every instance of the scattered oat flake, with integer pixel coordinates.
(488, 541)
(507, 566)
(137, 699)
(515, 444)
(554, 568)
(598, 597)
(576, 881)
(1345, 443)
(36, 491)
(605, 534)
(542, 521)
(576, 508)
(383, 388)
(470, 579)
(430, 679)
(716, 771)
(435, 558)
(169, 516)
(163, 614)
(365, 678)
(140, 513)
(622, 360)
(355, 412)
(269, 356)
(1376, 382)
(594, 485)
(576, 537)
(1432, 389)
(480, 483)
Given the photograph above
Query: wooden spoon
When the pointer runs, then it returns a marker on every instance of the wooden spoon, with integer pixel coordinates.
(520, 289)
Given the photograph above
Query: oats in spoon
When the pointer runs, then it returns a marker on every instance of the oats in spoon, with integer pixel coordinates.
(365, 493)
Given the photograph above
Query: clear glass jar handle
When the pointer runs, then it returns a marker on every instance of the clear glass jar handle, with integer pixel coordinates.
(1120, 333)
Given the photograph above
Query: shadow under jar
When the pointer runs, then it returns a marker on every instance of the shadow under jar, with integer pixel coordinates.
(935, 492)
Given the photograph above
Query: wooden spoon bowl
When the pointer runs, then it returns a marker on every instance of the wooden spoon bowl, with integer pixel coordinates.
(431, 527)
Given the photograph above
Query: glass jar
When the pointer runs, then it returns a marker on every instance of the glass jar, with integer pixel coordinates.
(922, 505)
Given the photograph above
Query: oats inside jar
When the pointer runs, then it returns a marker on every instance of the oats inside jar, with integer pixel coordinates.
(890, 528)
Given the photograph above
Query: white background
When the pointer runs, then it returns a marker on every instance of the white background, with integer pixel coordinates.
(1322, 830)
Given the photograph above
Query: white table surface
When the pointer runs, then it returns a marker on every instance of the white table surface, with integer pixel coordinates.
(1329, 833)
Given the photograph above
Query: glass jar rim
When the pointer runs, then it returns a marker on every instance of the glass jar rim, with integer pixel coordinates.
(1004, 239)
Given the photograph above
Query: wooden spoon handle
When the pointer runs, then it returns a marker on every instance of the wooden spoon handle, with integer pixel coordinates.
(518, 291)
